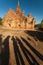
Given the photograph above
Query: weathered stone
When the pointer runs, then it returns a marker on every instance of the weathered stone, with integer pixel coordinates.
(17, 20)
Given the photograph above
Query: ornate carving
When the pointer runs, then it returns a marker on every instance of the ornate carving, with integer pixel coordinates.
(17, 19)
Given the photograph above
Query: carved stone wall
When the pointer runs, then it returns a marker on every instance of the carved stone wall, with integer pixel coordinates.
(17, 19)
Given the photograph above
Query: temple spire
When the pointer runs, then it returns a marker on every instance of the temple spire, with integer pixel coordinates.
(18, 2)
(18, 7)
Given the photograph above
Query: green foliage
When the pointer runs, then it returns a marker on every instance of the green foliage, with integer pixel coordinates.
(0, 21)
(42, 24)
(38, 25)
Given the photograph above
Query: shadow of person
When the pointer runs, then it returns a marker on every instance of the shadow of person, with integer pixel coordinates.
(27, 54)
(17, 52)
(33, 49)
(5, 53)
(1, 44)
(0, 40)
(0, 47)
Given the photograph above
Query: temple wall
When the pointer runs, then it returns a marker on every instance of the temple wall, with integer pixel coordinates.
(18, 20)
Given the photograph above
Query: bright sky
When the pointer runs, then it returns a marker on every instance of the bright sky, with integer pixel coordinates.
(35, 7)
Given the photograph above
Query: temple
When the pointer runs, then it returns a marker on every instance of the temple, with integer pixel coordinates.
(18, 20)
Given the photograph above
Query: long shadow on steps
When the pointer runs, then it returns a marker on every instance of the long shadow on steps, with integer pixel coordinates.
(35, 34)
(17, 53)
(0, 40)
(5, 53)
(33, 49)
(0, 47)
(27, 53)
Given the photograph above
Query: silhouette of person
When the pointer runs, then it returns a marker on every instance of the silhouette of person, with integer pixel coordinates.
(0, 47)
(5, 54)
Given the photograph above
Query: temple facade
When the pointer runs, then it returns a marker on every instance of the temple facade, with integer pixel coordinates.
(18, 20)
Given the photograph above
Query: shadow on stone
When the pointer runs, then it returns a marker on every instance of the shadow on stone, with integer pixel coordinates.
(17, 53)
(35, 34)
(33, 49)
(27, 53)
(5, 53)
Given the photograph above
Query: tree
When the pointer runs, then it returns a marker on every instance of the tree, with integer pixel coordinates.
(0, 21)
(42, 24)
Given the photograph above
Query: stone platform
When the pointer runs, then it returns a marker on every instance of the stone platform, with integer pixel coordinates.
(21, 47)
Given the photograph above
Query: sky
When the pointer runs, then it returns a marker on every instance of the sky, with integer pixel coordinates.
(34, 7)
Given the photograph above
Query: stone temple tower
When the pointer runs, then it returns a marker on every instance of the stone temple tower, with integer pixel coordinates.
(18, 7)
(18, 20)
